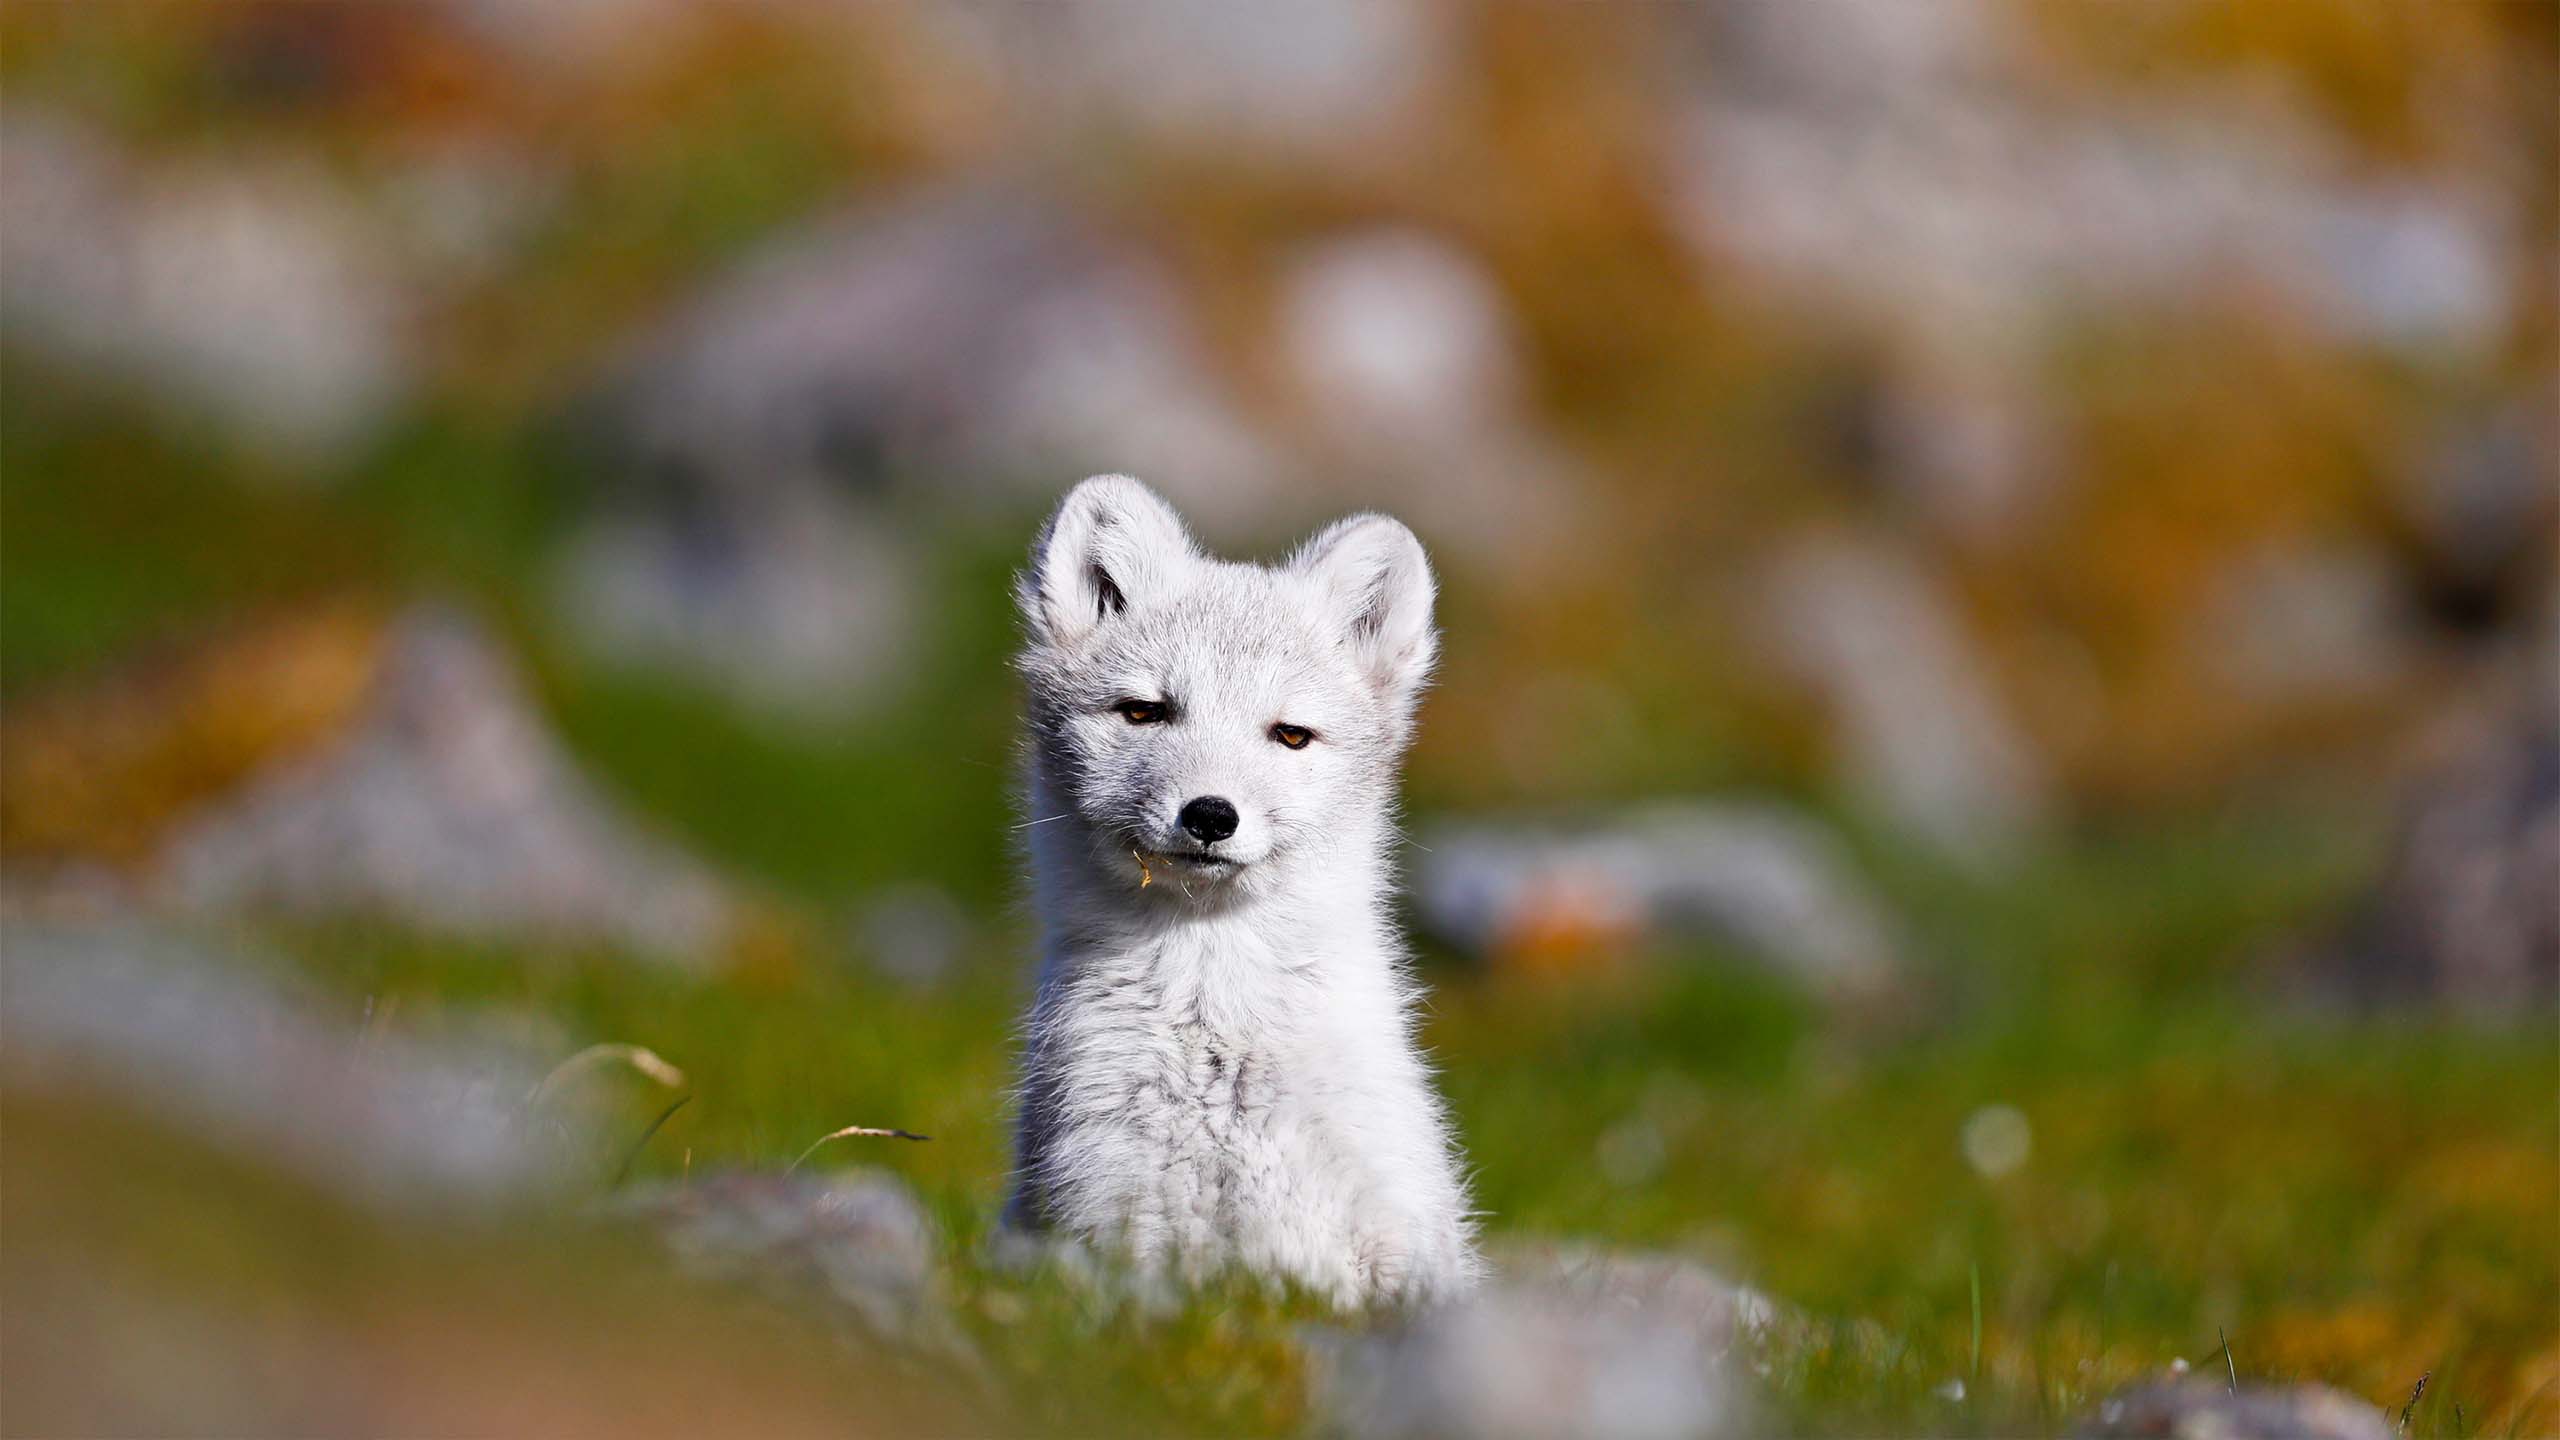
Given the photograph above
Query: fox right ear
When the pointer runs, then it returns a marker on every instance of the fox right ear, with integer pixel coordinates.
(1112, 540)
(1374, 577)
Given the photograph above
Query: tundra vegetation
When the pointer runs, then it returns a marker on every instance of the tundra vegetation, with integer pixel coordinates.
(2093, 578)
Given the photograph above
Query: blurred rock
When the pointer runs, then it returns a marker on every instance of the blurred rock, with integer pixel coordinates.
(1396, 331)
(2480, 500)
(1112, 375)
(1967, 446)
(1906, 161)
(192, 1037)
(1333, 79)
(446, 804)
(1105, 1286)
(1654, 1282)
(1568, 1342)
(1918, 726)
(1974, 200)
(2467, 914)
(953, 337)
(1763, 879)
(966, 346)
(1870, 48)
(2208, 1410)
(857, 1242)
(2303, 622)
(914, 934)
(787, 599)
(464, 210)
(565, 37)
(1406, 358)
(251, 291)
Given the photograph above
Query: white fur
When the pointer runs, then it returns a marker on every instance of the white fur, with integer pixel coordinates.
(1219, 1068)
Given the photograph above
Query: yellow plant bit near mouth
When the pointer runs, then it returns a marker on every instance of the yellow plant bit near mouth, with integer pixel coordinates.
(1146, 875)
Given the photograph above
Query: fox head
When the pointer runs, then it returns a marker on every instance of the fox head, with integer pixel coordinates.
(1208, 723)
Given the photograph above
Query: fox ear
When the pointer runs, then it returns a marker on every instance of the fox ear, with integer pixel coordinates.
(1377, 585)
(1111, 541)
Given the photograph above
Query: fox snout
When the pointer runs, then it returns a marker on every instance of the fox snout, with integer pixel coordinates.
(1208, 819)
(1201, 822)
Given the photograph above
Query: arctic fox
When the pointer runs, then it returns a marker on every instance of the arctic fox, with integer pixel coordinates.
(1219, 1068)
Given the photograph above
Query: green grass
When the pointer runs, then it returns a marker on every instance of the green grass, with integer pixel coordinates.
(917, 788)
(2354, 1201)
(2358, 1202)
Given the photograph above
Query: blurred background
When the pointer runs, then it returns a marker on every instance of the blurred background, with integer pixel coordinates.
(1995, 772)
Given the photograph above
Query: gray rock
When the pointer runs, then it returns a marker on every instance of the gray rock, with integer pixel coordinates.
(1911, 163)
(1332, 79)
(464, 210)
(2479, 499)
(445, 804)
(1568, 1341)
(1105, 1287)
(915, 934)
(2198, 1409)
(252, 290)
(2294, 621)
(857, 1242)
(193, 1037)
(789, 599)
(2467, 913)
(571, 41)
(1963, 443)
(1920, 728)
(1659, 1283)
(954, 336)
(1755, 876)
(958, 346)
(1399, 332)
(1406, 361)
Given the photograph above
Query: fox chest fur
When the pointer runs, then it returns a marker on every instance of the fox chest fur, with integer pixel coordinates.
(1201, 1121)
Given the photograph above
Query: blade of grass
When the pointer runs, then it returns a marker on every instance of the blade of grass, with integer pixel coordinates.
(638, 1057)
(852, 1132)
(2415, 1391)
(623, 1171)
(1976, 1273)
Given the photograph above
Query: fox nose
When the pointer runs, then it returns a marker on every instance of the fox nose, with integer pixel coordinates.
(1209, 819)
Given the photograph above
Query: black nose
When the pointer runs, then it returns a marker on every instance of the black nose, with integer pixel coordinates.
(1209, 819)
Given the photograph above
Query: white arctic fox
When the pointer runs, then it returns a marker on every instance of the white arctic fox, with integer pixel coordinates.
(1219, 1067)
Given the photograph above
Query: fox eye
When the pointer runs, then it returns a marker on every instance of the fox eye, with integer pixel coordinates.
(1140, 712)
(1293, 736)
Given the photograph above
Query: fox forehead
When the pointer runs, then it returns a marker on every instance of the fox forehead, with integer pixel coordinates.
(1237, 635)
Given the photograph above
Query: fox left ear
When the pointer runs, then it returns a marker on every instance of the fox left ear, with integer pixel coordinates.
(1112, 542)
(1377, 584)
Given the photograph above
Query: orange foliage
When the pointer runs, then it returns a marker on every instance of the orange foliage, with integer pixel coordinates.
(97, 772)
